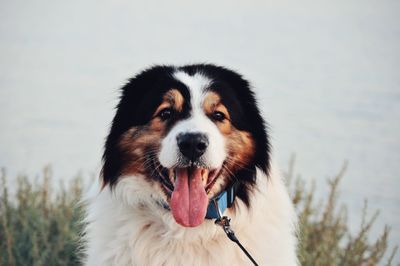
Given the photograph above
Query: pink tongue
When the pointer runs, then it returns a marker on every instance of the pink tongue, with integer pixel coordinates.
(189, 199)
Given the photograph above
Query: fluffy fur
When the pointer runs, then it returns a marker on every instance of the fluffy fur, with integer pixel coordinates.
(134, 214)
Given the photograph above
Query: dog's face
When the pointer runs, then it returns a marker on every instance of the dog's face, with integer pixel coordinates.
(191, 132)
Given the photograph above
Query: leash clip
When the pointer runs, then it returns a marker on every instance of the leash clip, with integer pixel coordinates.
(224, 222)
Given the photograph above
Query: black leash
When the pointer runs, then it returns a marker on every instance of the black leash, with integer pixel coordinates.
(224, 222)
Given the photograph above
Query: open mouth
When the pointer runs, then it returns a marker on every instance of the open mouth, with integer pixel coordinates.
(188, 189)
(208, 177)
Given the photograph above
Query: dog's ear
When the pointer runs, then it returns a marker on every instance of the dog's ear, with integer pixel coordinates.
(138, 101)
(247, 115)
(139, 98)
(254, 123)
(250, 119)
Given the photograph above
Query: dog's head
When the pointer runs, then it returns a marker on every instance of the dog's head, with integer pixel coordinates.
(191, 132)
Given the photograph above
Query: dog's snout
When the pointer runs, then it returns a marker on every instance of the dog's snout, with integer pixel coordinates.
(192, 145)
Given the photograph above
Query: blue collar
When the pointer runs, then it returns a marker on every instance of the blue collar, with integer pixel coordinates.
(224, 201)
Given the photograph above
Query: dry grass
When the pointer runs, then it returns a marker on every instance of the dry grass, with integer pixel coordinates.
(38, 227)
(324, 234)
(41, 226)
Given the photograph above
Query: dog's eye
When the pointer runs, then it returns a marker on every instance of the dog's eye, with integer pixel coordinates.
(165, 114)
(218, 116)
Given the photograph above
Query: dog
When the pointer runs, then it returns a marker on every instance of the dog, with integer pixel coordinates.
(187, 147)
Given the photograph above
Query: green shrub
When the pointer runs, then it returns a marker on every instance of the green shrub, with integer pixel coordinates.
(324, 234)
(40, 226)
(37, 227)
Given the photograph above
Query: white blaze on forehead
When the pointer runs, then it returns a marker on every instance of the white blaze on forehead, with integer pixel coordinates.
(197, 122)
(196, 85)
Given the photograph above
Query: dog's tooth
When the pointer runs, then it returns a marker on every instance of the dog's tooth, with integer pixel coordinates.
(204, 175)
(171, 175)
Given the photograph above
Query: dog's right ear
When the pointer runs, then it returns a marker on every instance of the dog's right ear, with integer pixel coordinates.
(139, 98)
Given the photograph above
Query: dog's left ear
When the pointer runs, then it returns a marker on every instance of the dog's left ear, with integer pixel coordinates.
(250, 118)
(256, 125)
(139, 98)
(247, 118)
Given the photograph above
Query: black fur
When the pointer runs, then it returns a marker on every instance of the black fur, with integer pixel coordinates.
(143, 94)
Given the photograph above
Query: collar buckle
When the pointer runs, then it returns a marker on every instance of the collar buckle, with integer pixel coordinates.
(221, 202)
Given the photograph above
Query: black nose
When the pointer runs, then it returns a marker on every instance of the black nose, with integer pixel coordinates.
(192, 145)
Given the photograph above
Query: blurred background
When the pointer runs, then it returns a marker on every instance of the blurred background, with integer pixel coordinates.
(326, 74)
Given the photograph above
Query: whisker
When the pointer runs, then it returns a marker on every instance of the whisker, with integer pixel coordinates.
(238, 164)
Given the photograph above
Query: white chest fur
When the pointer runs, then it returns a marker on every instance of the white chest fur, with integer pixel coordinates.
(123, 230)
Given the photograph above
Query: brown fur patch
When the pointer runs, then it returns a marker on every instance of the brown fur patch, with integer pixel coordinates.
(240, 146)
(172, 99)
(140, 145)
(212, 103)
